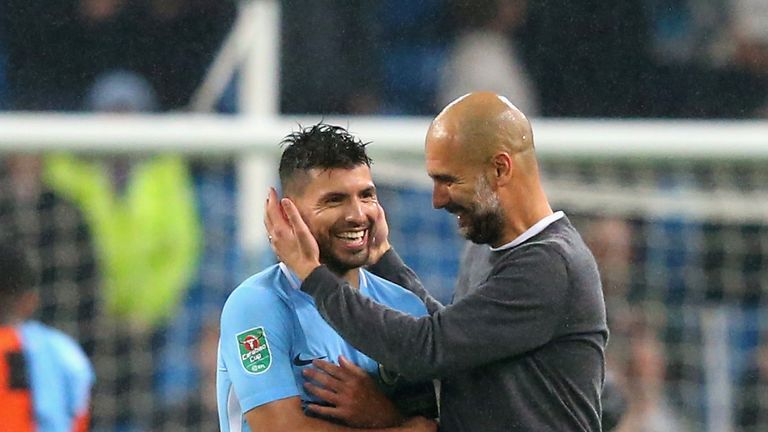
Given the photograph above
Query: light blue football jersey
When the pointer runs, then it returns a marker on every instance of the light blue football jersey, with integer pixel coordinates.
(270, 332)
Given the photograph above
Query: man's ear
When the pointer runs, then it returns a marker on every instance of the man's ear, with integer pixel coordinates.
(502, 164)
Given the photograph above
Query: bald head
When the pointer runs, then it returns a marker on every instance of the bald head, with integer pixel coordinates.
(479, 154)
(480, 124)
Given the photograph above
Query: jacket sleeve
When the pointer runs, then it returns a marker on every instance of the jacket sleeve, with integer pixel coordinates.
(517, 310)
(392, 268)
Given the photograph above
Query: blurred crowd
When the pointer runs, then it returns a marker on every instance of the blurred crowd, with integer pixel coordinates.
(56, 53)
(659, 295)
(636, 58)
(556, 58)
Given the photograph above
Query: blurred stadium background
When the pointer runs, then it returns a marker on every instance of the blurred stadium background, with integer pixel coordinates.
(139, 138)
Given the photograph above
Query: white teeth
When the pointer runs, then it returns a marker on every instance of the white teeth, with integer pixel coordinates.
(356, 235)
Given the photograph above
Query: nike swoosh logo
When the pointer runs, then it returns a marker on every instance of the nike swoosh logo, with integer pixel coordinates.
(299, 362)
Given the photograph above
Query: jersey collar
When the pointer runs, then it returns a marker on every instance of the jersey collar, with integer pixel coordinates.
(293, 280)
(532, 231)
(295, 283)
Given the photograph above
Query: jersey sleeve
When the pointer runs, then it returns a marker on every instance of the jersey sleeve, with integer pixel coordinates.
(255, 345)
(392, 268)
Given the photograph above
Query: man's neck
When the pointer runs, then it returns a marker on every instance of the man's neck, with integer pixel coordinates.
(351, 276)
(523, 203)
(520, 227)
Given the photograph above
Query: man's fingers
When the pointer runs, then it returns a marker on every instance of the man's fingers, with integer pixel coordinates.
(331, 369)
(300, 228)
(327, 381)
(350, 367)
(381, 219)
(307, 244)
(267, 213)
(291, 212)
(322, 393)
(382, 214)
(273, 218)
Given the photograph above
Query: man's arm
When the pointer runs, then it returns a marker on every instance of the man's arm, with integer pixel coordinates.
(516, 310)
(287, 415)
(350, 395)
(386, 263)
(392, 268)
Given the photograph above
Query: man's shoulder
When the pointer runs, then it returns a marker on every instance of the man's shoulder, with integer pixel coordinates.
(393, 295)
(543, 256)
(40, 339)
(378, 284)
(559, 239)
(264, 290)
(53, 337)
(564, 240)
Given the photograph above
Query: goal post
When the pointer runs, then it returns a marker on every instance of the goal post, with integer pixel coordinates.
(204, 133)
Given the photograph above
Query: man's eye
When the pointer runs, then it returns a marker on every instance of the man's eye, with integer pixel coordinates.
(332, 201)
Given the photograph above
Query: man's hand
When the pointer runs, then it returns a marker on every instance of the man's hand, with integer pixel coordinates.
(380, 238)
(289, 236)
(356, 399)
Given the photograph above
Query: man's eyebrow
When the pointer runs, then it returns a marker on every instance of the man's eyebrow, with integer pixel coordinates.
(442, 177)
(332, 195)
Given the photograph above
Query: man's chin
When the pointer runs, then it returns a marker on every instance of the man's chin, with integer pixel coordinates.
(342, 265)
(476, 236)
(358, 262)
(470, 234)
(471, 237)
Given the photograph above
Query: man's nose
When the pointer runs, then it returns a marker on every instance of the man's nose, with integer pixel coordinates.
(355, 212)
(439, 196)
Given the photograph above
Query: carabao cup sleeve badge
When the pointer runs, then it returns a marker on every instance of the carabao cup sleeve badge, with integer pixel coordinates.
(254, 350)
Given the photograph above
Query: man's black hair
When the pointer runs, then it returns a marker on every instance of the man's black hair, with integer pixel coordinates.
(15, 273)
(320, 146)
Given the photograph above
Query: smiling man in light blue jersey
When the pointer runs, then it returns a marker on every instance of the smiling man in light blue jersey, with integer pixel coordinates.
(271, 332)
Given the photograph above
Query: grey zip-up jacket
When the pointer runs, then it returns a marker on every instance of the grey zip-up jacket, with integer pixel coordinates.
(522, 350)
